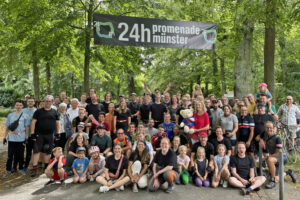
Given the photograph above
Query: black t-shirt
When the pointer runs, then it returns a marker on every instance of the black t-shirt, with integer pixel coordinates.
(73, 147)
(225, 141)
(183, 139)
(94, 109)
(157, 111)
(123, 116)
(260, 121)
(134, 107)
(46, 121)
(112, 164)
(144, 111)
(133, 157)
(209, 149)
(170, 159)
(242, 165)
(105, 106)
(76, 121)
(178, 113)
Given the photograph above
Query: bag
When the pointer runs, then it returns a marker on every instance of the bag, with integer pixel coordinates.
(116, 176)
(15, 124)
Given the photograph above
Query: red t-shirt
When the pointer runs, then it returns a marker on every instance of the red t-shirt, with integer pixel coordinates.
(200, 122)
(55, 173)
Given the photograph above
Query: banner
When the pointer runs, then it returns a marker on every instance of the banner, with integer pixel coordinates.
(135, 31)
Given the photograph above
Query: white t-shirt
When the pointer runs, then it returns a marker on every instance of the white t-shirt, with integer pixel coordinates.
(73, 113)
(185, 160)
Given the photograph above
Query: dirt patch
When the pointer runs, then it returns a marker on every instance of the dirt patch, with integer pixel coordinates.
(2, 127)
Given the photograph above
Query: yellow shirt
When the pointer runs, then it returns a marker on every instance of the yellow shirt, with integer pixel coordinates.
(251, 108)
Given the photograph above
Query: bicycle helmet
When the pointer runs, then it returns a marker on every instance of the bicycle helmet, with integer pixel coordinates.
(93, 149)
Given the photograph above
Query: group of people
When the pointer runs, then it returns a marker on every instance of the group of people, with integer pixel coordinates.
(140, 141)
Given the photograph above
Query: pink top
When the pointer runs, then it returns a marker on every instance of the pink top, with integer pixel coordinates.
(200, 122)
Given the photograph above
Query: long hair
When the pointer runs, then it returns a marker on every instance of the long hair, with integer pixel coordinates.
(83, 139)
(145, 154)
(203, 107)
(120, 110)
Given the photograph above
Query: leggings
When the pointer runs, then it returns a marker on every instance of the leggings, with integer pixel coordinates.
(200, 183)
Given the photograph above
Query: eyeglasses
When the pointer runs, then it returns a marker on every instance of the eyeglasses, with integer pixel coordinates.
(119, 133)
(289, 99)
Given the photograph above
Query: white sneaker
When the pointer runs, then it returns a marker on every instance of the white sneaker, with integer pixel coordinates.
(225, 184)
(122, 188)
(92, 179)
(136, 167)
(135, 188)
(103, 189)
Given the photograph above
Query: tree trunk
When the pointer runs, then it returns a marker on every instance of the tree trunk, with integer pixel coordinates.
(269, 48)
(215, 70)
(243, 70)
(35, 73)
(48, 78)
(87, 53)
(283, 62)
(72, 85)
(222, 76)
(131, 87)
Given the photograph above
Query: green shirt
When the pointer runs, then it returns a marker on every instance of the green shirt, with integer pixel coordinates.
(267, 109)
(103, 142)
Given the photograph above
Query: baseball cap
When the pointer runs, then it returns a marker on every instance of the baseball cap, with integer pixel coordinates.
(262, 84)
(133, 94)
(81, 124)
(250, 95)
(80, 149)
(100, 126)
(260, 105)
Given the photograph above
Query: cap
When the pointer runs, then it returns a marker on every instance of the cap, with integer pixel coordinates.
(250, 95)
(133, 94)
(80, 149)
(214, 101)
(93, 149)
(100, 126)
(262, 85)
(121, 95)
(260, 105)
(81, 124)
(27, 95)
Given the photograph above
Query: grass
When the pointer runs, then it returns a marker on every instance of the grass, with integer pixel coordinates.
(295, 166)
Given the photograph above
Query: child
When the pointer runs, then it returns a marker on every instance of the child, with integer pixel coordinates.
(55, 170)
(80, 128)
(183, 162)
(221, 162)
(155, 141)
(201, 163)
(97, 163)
(263, 89)
(141, 129)
(80, 166)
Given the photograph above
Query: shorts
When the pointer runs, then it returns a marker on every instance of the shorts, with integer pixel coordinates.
(44, 144)
(292, 131)
(233, 143)
(56, 176)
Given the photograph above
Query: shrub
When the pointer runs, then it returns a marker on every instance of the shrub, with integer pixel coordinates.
(7, 97)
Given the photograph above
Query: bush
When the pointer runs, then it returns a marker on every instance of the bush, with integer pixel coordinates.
(7, 97)
(5, 111)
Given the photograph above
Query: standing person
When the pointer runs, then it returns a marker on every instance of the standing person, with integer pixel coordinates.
(144, 110)
(156, 91)
(65, 126)
(167, 99)
(122, 117)
(242, 170)
(168, 125)
(15, 136)
(134, 108)
(81, 118)
(74, 109)
(139, 161)
(157, 111)
(165, 168)
(220, 139)
(110, 120)
(201, 122)
(287, 114)
(94, 108)
(269, 107)
(173, 108)
(216, 113)
(45, 122)
(115, 171)
(229, 123)
(30, 143)
(100, 121)
(197, 92)
(92, 92)
(201, 172)
(107, 101)
(82, 103)
(150, 130)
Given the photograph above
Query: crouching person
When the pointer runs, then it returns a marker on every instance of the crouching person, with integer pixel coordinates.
(97, 164)
(242, 170)
(55, 170)
(165, 168)
(138, 165)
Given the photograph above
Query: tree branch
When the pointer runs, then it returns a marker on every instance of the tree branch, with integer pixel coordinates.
(83, 5)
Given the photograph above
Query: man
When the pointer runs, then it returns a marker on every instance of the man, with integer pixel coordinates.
(102, 140)
(134, 107)
(73, 111)
(94, 108)
(167, 99)
(251, 104)
(151, 130)
(272, 145)
(216, 113)
(220, 139)
(156, 91)
(131, 133)
(269, 107)
(168, 125)
(45, 122)
(246, 130)
(92, 91)
(63, 96)
(29, 111)
(287, 115)
(56, 103)
(15, 137)
(185, 105)
(145, 110)
(157, 111)
(124, 141)
(242, 170)
(82, 103)
(224, 101)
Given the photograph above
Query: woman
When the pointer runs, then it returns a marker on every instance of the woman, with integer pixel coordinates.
(181, 135)
(138, 165)
(165, 168)
(229, 123)
(201, 121)
(173, 108)
(110, 120)
(122, 117)
(100, 121)
(115, 171)
(197, 91)
(65, 126)
(176, 144)
(81, 118)
(107, 101)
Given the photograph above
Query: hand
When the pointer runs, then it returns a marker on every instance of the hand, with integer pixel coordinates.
(262, 143)
(252, 180)
(94, 175)
(248, 144)
(245, 182)
(4, 141)
(109, 183)
(156, 183)
(229, 134)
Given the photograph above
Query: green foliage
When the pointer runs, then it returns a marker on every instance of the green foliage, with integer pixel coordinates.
(7, 97)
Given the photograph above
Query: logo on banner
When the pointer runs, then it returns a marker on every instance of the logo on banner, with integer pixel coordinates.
(210, 36)
(111, 31)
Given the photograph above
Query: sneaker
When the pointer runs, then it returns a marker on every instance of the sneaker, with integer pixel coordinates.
(70, 173)
(245, 191)
(135, 188)
(103, 189)
(22, 172)
(6, 174)
(13, 170)
(121, 188)
(33, 173)
(225, 184)
(50, 182)
(271, 184)
(290, 172)
(62, 182)
(170, 189)
(92, 179)
(221, 182)
(25, 169)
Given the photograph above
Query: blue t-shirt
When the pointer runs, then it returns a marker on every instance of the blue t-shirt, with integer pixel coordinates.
(268, 93)
(169, 129)
(18, 135)
(244, 127)
(29, 113)
(219, 161)
(80, 165)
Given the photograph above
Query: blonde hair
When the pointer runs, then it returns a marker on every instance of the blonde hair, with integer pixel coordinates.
(120, 110)
(56, 149)
(182, 147)
(221, 145)
(203, 107)
(200, 149)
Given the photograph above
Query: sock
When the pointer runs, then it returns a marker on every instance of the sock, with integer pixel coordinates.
(249, 189)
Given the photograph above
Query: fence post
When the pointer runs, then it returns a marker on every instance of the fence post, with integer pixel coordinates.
(260, 161)
(281, 178)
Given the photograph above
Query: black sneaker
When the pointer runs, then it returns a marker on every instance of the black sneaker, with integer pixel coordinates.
(257, 189)
(40, 165)
(271, 184)
(291, 173)
(50, 182)
(33, 173)
(62, 182)
(245, 191)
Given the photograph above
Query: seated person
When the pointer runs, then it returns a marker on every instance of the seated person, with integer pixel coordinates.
(149, 147)
(220, 139)
(80, 128)
(55, 170)
(242, 171)
(200, 164)
(102, 140)
(183, 162)
(97, 163)
(124, 142)
(80, 166)
(156, 139)
(221, 161)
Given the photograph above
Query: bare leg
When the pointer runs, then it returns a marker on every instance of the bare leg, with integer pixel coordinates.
(35, 159)
(235, 182)
(61, 173)
(271, 164)
(49, 173)
(101, 180)
(119, 183)
(259, 180)
(225, 174)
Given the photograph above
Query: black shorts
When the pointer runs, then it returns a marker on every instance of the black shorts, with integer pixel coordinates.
(44, 144)
(233, 143)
